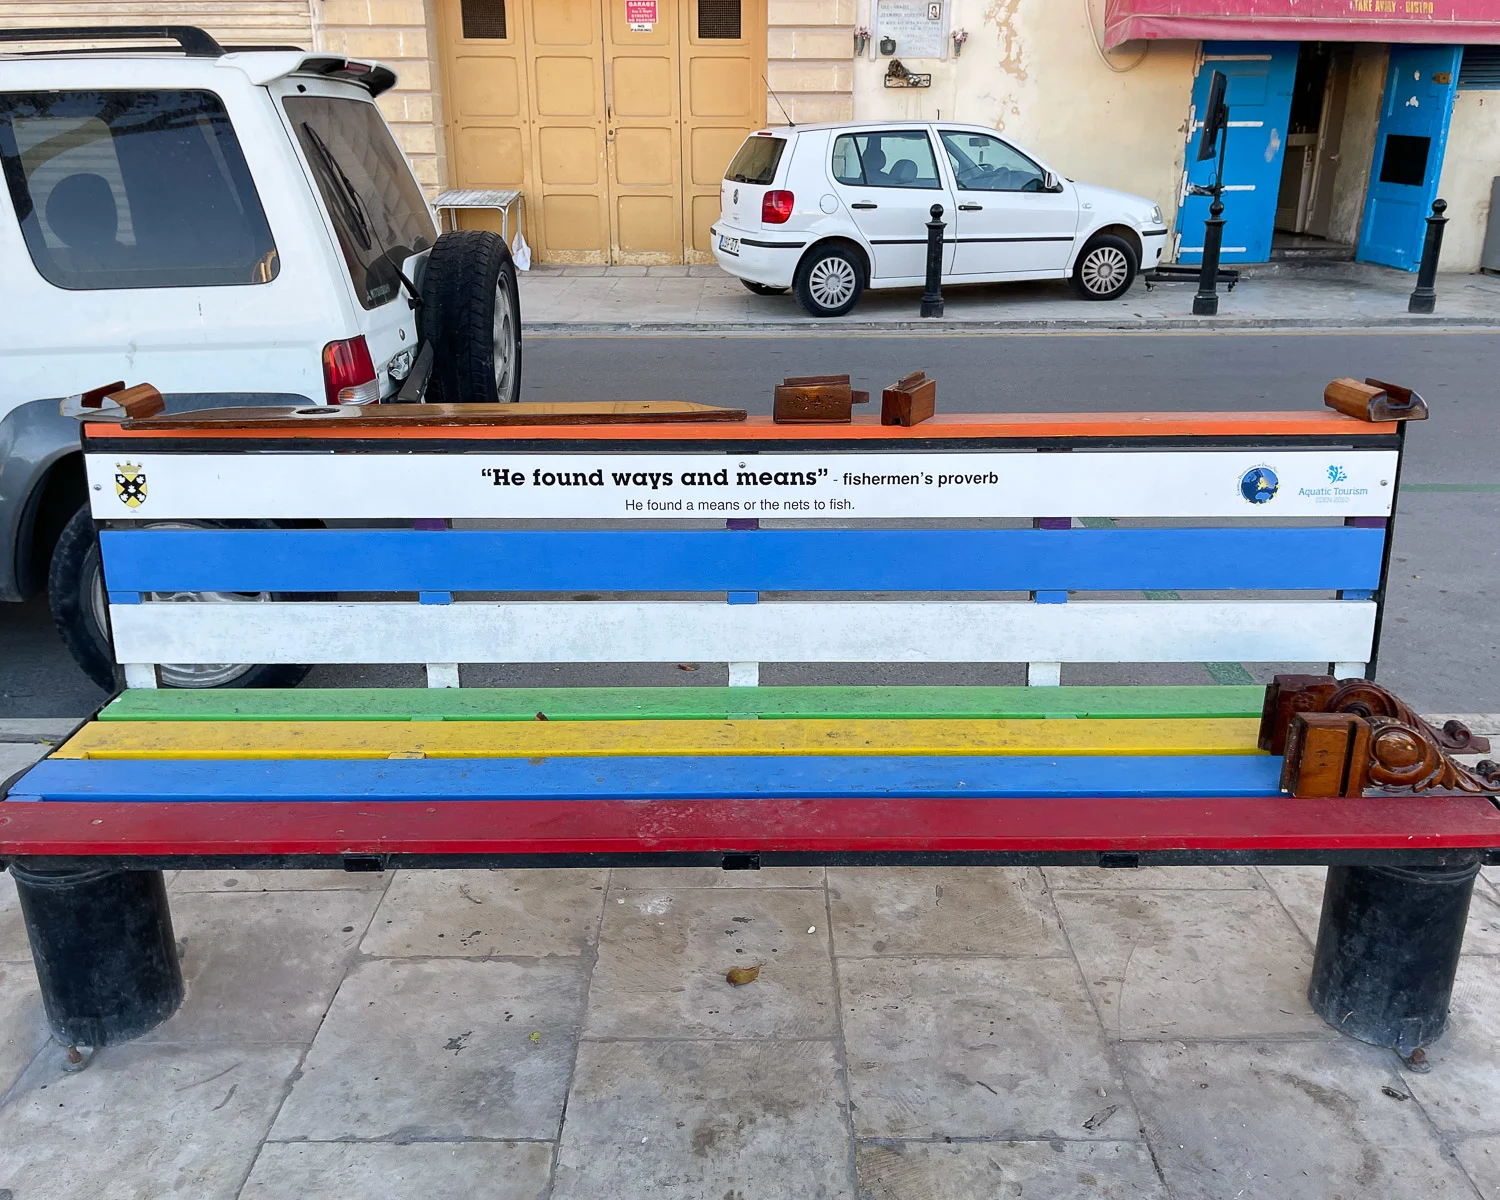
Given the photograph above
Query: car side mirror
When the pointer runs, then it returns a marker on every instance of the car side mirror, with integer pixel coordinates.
(1051, 183)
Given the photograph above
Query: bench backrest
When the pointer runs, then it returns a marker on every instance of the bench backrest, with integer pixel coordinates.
(1139, 538)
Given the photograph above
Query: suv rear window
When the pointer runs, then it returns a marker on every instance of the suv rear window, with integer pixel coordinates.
(756, 161)
(133, 189)
(377, 208)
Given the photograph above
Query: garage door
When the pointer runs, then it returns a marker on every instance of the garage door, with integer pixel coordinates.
(616, 119)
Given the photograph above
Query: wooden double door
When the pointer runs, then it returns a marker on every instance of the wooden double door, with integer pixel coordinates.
(616, 118)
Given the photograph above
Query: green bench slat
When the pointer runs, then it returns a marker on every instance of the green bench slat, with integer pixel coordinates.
(669, 703)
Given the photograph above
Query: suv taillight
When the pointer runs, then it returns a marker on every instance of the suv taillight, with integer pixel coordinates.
(776, 207)
(349, 373)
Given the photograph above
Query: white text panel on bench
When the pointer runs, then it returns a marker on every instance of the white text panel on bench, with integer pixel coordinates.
(1256, 483)
(671, 631)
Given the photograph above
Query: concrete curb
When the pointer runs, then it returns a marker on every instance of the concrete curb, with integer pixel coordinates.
(835, 326)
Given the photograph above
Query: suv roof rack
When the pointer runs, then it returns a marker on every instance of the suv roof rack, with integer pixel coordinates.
(195, 42)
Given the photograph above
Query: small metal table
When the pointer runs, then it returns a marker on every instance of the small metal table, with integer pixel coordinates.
(449, 203)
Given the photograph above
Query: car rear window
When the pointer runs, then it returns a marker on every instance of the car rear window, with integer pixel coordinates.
(756, 161)
(133, 189)
(377, 208)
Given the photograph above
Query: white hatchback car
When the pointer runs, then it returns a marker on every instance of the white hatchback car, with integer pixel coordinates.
(830, 210)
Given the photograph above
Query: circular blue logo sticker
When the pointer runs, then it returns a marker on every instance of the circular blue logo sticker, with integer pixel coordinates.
(1258, 485)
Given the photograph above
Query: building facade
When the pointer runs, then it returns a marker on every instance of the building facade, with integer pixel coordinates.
(616, 118)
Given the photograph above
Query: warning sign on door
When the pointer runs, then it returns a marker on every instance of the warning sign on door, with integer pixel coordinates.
(641, 14)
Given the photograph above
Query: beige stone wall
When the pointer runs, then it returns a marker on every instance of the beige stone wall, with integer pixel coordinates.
(1031, 71)
(1470, 165)
(401, 34)
(809, 60)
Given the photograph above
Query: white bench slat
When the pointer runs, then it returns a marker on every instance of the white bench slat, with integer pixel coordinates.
(676, 631)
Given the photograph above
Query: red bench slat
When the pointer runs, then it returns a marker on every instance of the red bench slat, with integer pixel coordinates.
(858, 826)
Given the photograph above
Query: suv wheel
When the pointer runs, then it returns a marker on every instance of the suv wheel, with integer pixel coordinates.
(75, 591)
(1105, 269)
(829, 280)
(471, 313)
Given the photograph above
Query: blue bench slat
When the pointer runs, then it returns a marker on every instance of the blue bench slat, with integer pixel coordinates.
(856, 560)
(648, 778)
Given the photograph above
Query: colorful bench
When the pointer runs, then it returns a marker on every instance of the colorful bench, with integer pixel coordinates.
(448, 537)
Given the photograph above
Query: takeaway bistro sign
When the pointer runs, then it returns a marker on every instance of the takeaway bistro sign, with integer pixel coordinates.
(1399, 21)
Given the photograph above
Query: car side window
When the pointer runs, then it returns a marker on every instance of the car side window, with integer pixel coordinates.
(133, 189)
(982, 163)
(898, 158)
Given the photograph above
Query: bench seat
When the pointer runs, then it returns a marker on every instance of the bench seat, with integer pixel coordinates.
(405, 776)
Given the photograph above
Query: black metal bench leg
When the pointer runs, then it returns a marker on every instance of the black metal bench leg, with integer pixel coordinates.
(1388, 947)
(104, 951)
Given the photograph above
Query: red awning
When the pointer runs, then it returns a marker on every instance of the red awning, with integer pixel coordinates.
(1442, 21)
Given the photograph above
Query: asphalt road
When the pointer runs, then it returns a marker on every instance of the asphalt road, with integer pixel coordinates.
(1442, 639)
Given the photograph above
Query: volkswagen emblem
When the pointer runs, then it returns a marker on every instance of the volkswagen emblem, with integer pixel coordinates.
(736, 195)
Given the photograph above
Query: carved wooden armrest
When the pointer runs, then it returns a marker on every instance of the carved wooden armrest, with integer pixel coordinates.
(1292, 694)
(1345, 754)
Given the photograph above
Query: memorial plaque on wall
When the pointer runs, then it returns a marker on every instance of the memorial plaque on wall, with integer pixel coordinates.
(919, 27)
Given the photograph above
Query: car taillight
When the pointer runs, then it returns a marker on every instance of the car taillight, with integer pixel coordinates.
(776, 207)
(349, 373)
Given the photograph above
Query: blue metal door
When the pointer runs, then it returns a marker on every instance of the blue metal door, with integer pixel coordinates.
(1260, 76)
(1409, 145)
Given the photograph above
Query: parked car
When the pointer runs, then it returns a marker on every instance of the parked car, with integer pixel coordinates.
(232, 227)
(829, 210)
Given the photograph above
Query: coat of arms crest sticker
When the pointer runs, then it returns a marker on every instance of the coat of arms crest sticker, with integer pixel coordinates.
(130, 484)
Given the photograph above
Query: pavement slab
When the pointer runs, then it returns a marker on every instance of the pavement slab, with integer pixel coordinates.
(1204, 964)
(644, 878)
(286, 950)
(992, 911)
(23, 1024)
(141, 1121)
(13, 944)
(440, 1049)
(1037, 1170)
(488, 914)
(1293, 1121)
(1462, 1091)
(1480, 1157)
(663, 956)
(382, 1171)
(977, 1048)
(1135, 879)
(692, 1120)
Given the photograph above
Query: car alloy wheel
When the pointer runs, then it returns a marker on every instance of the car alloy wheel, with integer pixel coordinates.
(1104, 269)
(832, 281)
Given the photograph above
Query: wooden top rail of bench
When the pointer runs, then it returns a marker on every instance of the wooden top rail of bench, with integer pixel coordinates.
(270, 423)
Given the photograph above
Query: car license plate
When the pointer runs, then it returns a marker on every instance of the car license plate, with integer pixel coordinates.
(728, 244)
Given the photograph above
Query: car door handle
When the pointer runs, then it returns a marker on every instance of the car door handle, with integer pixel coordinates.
(971, 208)
(864, 204)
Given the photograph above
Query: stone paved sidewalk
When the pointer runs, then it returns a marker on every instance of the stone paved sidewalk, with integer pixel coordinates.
(914, 1034)
(704, 298)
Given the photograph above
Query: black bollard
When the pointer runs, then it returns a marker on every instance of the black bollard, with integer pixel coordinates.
(1424, 295)
(932, 296)
(1206, 300)
(105, 956)
(1388, 946)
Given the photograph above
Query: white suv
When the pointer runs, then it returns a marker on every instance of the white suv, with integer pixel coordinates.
(232, 227)
(830, 210)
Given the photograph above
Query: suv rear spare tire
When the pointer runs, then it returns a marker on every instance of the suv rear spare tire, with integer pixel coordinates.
(75, 591)
(471, 315)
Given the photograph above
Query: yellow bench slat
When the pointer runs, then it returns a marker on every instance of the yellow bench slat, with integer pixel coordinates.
(549, 739)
